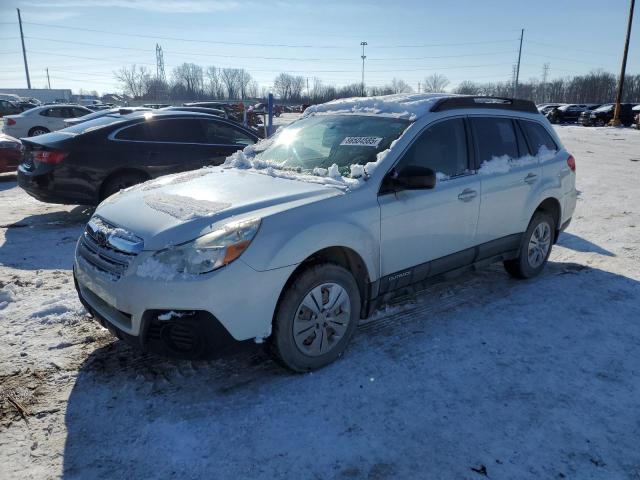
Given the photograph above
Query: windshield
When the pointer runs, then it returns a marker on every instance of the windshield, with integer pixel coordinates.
(320, 141)
(604, 108)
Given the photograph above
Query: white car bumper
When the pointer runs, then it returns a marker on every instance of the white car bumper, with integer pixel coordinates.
(243, 300)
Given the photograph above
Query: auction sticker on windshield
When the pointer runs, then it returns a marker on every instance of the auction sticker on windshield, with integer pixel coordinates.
(362, 141)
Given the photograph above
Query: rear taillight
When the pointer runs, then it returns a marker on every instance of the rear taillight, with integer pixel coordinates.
(571, 163)
(49, 156)
(10, 121)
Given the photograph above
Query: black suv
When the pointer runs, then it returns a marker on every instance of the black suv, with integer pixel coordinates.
(603, 115)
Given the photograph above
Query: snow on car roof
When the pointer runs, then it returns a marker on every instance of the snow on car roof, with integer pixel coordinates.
(401, 105)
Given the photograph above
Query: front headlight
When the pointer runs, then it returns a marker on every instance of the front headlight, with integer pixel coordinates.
(211, 251)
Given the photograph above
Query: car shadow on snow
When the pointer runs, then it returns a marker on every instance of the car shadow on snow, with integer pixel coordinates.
(7, 181)
(579, 244)
(43, 241)
(526, 378)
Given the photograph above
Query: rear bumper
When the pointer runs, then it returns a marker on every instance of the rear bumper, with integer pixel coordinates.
(43, 187)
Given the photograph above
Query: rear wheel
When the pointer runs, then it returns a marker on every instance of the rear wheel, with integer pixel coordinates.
(120, 182)
(317, 316)
(535, 249)
(600, 122)
(35, 131)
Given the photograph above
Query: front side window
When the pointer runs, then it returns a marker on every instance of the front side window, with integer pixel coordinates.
(495, 137)
(538, 137)
(216, 132)
(320, 141)
(442, 148)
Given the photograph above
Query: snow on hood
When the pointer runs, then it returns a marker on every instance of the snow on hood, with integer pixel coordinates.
(408, 106)
(181, 207)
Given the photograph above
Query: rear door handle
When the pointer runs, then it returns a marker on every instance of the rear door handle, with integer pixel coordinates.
(531, 178)
(467, 195)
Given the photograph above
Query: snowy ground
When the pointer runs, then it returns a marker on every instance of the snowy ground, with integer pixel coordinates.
(537, 379)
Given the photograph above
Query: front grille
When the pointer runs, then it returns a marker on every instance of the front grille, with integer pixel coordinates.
(96, 247)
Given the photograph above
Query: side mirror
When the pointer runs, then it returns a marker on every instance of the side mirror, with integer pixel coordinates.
(413, 177)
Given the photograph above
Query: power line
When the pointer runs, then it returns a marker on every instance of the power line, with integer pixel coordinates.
(250, 44)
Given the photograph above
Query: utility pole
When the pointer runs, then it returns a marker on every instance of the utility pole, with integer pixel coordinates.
(161, 78)
(616, 113)
(363, 57)
(515, 85)
(418, 87)
(24, 52)
(48, 79)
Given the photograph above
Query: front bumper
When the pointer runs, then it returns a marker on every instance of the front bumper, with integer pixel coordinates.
(241, 299)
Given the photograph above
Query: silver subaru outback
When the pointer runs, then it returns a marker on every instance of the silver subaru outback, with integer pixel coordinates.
(295, 239)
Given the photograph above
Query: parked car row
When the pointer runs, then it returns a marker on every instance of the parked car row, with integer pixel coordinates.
(588, 114)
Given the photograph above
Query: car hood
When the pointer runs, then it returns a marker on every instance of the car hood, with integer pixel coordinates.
(178, 208)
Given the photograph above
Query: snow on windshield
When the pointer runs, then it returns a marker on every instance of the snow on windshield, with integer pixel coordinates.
(338, 150)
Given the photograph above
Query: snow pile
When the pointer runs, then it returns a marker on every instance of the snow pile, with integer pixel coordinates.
(408, 106)
(7, 295)
(504, 163)
(183, 208)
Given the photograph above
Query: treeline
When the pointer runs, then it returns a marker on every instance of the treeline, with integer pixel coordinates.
(191, 81)
(594, 87)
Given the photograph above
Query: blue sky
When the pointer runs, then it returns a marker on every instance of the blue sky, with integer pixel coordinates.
(464, 40)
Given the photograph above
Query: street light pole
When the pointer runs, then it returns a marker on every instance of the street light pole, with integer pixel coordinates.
(363, 57)
(616, 113)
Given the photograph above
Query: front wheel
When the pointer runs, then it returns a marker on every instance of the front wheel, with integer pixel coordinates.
(316, 318)
(535, 249)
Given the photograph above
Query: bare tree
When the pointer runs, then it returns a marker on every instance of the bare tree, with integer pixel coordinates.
(189, 78)
(467, 88)
(231, 79)
(435, 83)
(134, 80)
(214, 86)
(400, 86)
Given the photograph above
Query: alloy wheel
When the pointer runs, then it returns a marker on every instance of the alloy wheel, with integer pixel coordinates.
(539, 244)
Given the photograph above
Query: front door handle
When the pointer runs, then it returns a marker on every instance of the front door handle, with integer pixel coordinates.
(531, 178)
(467, 195)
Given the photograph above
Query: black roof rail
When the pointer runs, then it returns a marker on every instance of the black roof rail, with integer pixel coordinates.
(453, 103)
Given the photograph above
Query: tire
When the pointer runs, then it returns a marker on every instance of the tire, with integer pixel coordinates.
(304, 352)
(600, 122)
(526, 265)
(35, 131)
(119, 182)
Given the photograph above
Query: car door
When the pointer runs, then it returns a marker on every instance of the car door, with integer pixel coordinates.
(419, 226)
(506, 181)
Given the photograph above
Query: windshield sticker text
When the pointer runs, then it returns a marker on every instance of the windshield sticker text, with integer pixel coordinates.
(362, 141)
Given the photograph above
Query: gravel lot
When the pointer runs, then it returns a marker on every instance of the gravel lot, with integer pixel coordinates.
(480, 376)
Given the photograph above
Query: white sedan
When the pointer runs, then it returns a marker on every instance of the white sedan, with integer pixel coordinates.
(39, 120)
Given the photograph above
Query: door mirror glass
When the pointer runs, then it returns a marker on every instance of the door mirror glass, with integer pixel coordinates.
(413, 177)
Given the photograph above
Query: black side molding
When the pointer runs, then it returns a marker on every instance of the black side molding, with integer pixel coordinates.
(455, 103)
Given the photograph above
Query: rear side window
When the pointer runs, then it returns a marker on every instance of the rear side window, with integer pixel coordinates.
(537, 136)
(217, 132)
(495, 137)
(442, 148)
(165, 131)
